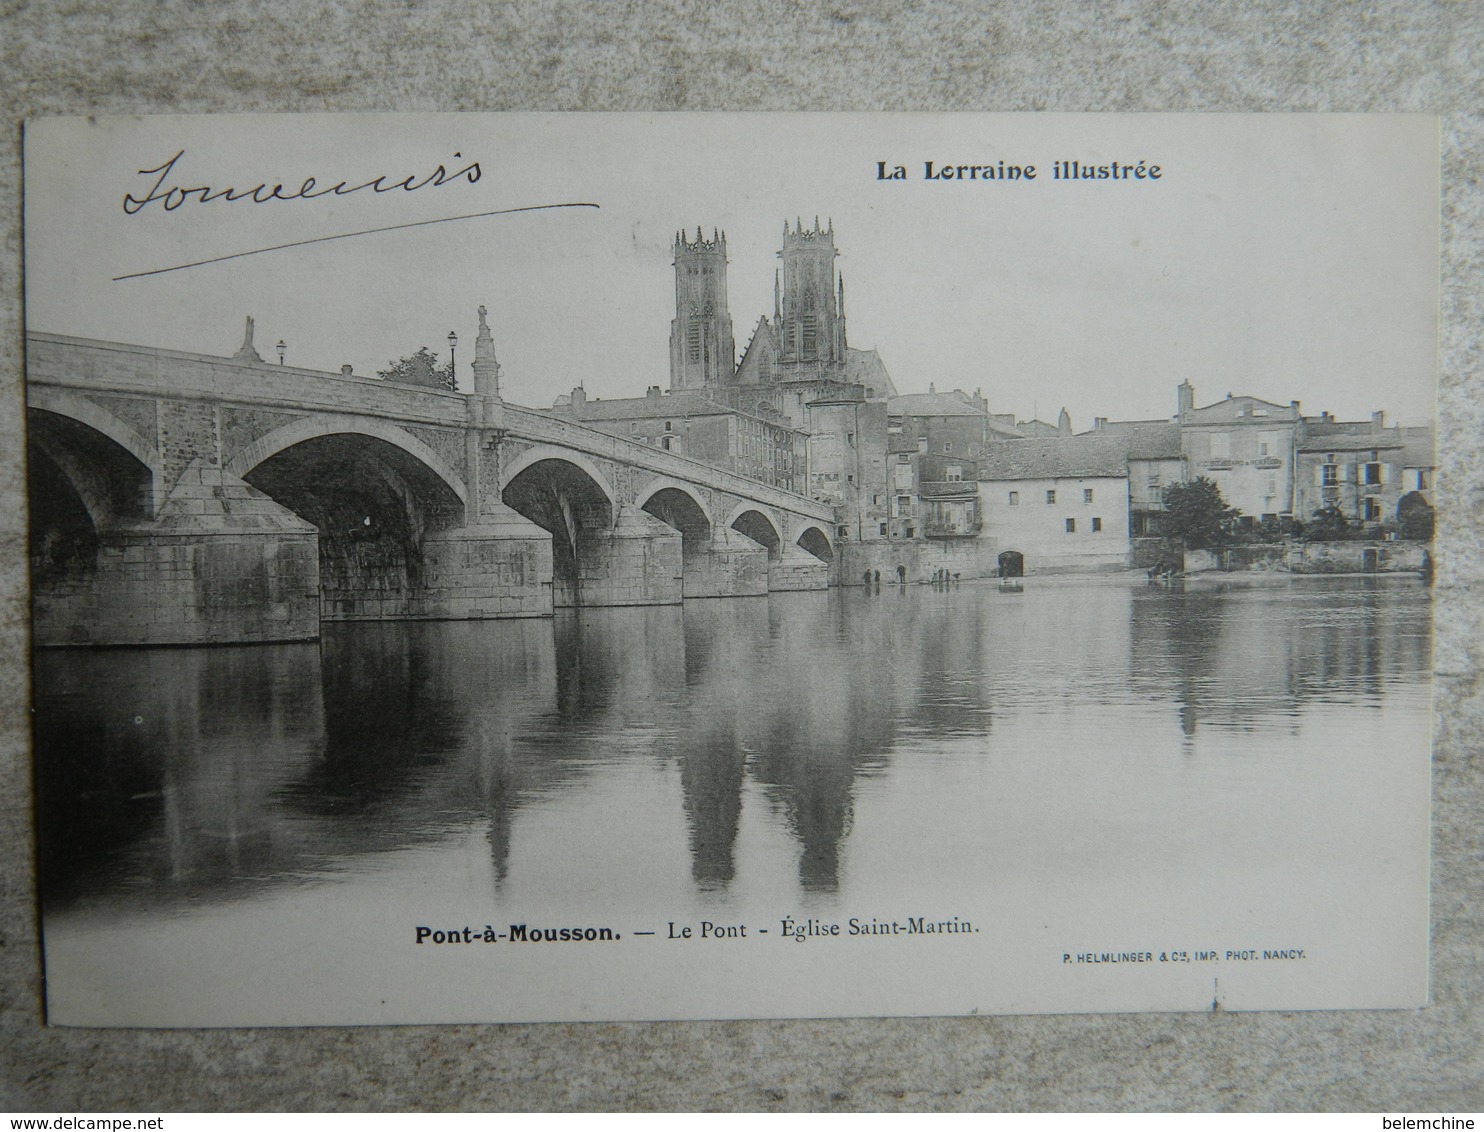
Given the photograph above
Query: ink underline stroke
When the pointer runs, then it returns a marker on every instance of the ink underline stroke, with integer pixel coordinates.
(348, 235)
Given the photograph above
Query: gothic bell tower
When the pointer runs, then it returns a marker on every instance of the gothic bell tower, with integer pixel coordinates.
(702, 350)
(810, 312)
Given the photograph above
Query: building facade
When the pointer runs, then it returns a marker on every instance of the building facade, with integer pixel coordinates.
(1056, 504)
(695, 425)
(1246, 446)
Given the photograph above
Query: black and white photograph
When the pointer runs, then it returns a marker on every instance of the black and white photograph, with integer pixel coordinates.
(521, 567)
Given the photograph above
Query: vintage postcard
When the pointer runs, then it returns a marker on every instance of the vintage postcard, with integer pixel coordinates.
(549, 567)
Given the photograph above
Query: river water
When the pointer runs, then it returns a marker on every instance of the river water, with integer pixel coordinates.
(252, 835)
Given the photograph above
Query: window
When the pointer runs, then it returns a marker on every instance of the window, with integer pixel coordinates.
(1372, 510)
(850, 479)
(669, 426)
(665, 443)
(947, 447)
(842, 531)
(883, 528)
(954, 473)
(850, 439)
(1051, 496)
(1331, 475)
(904, 459)
(1087, 495)
(1015, 499)
(1097, 525)
(1373, 473)
(1421, 479)
(1071, 526)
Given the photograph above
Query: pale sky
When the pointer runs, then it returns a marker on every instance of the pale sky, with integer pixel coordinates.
(1283, 256)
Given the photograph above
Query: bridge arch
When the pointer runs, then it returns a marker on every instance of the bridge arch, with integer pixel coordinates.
(571, 500)
(103, 426)
(242, 463)
(67, 404)
(759, 524)
(812, 538)
(89, 474)
(539, 452)
(373, 491)
(666, 483)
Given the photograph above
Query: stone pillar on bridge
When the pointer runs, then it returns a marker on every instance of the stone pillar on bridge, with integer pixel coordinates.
(498, 564)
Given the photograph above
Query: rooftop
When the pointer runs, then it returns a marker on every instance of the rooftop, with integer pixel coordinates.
(1062, 457)
(931, 405)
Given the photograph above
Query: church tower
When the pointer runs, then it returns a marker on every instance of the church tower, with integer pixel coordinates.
(810, 312)
(702, 350)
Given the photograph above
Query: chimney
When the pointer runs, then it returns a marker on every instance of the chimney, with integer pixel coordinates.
(653, 392)
(1378, 419)
(1098, 423)
(1184, 397)
(932, 388)
(346, 371)
(579, 399)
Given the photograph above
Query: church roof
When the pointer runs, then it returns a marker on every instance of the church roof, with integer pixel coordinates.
(865, 367)
(1063, 457)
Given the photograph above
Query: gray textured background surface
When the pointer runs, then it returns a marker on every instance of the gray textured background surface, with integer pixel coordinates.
(148, 56)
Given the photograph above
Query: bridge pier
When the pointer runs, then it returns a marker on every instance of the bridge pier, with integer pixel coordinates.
(732, 565)
(221, 563)
(797, 569)
(499, 567)
(637, 562)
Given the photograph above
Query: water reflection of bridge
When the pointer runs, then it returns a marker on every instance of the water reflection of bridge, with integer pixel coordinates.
(200, 773)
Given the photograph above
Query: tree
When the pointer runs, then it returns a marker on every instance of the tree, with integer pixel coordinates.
(421, 368)
(1197, 515)
(1415, 515)
(1328, 524)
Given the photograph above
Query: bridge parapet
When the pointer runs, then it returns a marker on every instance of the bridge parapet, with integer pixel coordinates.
(113, 367)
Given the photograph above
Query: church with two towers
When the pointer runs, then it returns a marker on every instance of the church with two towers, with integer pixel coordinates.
(801, 408)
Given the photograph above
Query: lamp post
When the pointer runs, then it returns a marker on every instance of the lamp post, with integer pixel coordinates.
(282, 349)
(453, 373)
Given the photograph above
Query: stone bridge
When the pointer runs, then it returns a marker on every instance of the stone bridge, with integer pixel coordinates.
(179, 498)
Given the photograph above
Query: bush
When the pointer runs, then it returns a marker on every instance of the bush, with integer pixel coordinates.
(1415, 516)
(1197, 515)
